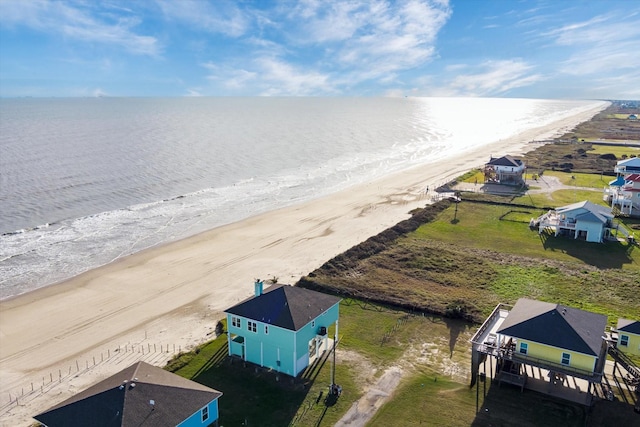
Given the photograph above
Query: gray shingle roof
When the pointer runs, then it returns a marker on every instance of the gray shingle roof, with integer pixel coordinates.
(124, 400)
(600, 213)
(286, 306)
(627, 325)
(505, 161)
(555, 325)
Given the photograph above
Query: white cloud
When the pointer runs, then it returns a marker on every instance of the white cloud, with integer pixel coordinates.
(321, 47)
(193, 92)
(97, 92)
(493, 78)
(281, 78)
(221, 16)
(80, 22)
(600, 46)
(376, 40)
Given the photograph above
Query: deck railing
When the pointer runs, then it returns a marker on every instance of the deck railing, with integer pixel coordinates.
(487, 323)
(503, 353)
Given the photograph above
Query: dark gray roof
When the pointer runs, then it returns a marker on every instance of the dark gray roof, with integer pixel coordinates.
(505, 161)
(124, 400)
(555, 325)
(627, 325)
(286, 306)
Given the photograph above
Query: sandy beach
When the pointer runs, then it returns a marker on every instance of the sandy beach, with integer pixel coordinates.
(58, 340)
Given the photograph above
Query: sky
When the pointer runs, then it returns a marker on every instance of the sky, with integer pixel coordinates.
(568, 49)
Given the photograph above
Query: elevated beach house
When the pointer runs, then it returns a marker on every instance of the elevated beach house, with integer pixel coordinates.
(504, 170)
(627, 166)
(583, 220)
(283, 328)
(628, 336)
(561, 340)
(141, 394)
(623, 193)
(625, 198)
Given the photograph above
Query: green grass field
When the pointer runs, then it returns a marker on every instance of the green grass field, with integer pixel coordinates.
(559, 198)
(589, 180)
(617, 150)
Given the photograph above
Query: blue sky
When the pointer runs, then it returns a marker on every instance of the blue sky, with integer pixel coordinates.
(580, 49)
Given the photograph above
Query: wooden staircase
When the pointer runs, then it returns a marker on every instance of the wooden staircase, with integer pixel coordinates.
(626, 363)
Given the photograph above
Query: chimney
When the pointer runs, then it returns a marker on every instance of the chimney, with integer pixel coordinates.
(258, 287)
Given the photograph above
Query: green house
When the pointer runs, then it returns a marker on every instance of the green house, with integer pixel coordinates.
(563, 338)
(628, 336)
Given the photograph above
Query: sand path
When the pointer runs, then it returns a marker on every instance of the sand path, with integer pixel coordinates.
(172, 295)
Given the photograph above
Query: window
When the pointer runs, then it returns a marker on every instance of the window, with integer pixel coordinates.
(205, 413)
(235, 322)
(566, 359)
(266, 329)
(524, 347)
(252, 326)
(313, 323)
(624, 340)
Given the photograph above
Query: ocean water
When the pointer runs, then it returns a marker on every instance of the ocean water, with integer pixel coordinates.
(86, 181)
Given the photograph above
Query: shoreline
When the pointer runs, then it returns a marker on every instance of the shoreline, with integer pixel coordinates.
(188, 283)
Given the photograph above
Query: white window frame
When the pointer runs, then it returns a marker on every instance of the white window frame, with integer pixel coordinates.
(204, 413)
(252, 326)
(236, 322)
(567, 358)
(624, 338)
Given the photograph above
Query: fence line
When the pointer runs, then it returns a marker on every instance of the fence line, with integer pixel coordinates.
(130, 353)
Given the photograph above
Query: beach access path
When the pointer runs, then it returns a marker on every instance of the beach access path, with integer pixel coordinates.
(173, 295)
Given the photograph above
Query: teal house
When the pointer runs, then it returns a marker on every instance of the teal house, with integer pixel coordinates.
(283, 327)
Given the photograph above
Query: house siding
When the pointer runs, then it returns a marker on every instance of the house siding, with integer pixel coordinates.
(594, 230)
(195, 420)
(261, 348)
(634, 343)
(310, 331)
(580, 361)
(289, 348)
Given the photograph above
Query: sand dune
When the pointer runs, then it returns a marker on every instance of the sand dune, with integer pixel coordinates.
(173, 295)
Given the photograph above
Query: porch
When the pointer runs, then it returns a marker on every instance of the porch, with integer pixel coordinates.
(495, 356)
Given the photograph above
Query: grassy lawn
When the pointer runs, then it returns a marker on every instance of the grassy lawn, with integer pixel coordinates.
(590, 180)
(486, 255)
(427, 399)
(473, 176)
(420, 401)
(616, 150)
(376, 335)
(559, 198)
(256, 397)
(485, 226)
